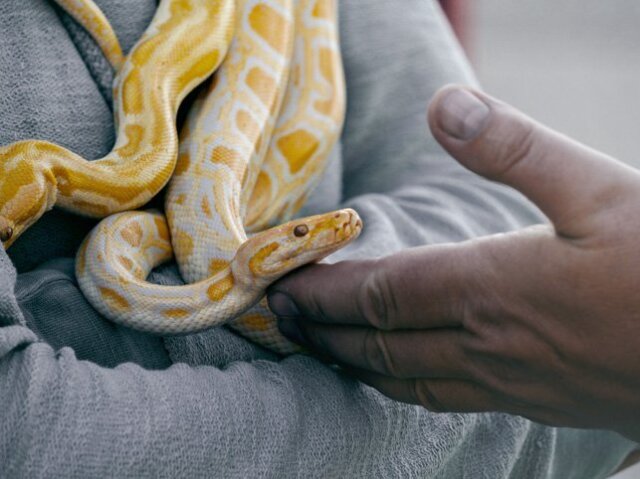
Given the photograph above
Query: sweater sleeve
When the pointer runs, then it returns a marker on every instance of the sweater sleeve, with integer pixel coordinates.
(408, 190)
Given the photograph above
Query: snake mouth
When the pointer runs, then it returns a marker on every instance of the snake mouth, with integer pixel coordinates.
(348, 230)
(354, 227)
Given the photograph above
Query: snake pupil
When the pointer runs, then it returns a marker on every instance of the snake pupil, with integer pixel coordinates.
(300, 230)
(6, 233)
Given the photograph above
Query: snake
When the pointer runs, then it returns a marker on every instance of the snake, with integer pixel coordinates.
(252, 146)
(309, 125)
(93, 20)
(184, 44)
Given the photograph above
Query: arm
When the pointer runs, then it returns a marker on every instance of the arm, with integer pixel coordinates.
(72, 418)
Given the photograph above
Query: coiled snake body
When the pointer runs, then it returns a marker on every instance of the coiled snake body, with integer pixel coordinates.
(36, 175)
(249, 155)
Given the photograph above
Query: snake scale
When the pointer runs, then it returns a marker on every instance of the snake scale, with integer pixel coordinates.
(253, 145)
(36, 175)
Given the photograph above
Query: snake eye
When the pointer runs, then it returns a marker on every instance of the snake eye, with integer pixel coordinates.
(6, 234)
(300, 231)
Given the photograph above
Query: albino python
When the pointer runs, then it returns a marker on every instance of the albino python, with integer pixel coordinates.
(89, 15)
(229, 143)
(192, 37)
(309, 124)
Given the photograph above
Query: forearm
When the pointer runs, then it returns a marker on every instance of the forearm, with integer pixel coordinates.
(73, 418)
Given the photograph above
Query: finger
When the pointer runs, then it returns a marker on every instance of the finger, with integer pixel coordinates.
(414, 289)
(567, 180)
(453, 395)
(399, 354)
(437, 395)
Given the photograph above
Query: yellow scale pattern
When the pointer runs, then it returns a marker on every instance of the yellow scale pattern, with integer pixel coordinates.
(308, 126)
(253, 145)
(193, 37)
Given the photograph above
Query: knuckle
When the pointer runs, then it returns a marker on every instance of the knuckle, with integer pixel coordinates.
(499, 374)
(490, 378)
(376, 300)
(481, 350)
(318, 310)
(378, 355)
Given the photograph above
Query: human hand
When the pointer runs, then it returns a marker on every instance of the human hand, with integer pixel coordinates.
(543, 322)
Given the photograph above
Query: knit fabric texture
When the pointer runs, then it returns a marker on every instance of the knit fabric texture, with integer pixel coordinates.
(82, 397)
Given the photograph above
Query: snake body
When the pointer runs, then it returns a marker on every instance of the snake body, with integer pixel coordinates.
(122, 250)
(89, 15)
(253, 145)
(228, 146)
(184, 44)
(225, 138)
(309, 125)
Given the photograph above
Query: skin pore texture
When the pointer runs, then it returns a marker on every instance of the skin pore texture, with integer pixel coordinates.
(254, 144)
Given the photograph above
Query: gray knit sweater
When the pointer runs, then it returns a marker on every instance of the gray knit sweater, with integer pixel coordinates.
(81, 397)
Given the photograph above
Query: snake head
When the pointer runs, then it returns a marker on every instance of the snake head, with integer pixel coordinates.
(25, 194)
(17, 215)
(273, 253)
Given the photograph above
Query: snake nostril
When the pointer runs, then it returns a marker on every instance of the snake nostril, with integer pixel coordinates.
(6, 233)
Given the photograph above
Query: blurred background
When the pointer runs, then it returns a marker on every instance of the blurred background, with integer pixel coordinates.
(574, 65)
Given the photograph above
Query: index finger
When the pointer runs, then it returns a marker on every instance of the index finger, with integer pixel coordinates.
(413, 289)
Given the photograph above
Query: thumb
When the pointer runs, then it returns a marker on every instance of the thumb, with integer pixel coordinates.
(568, 181)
